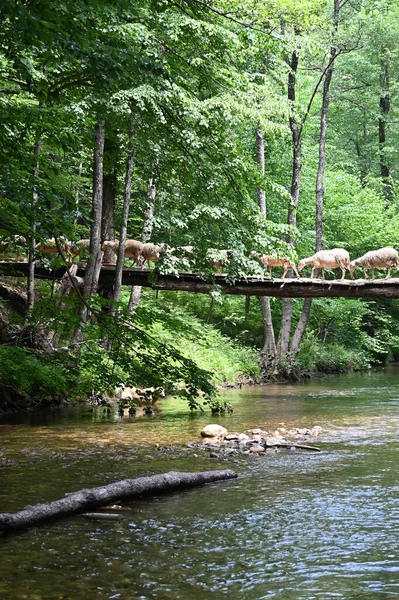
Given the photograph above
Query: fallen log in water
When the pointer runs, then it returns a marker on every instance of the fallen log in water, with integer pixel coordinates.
(297, 446)
(81, 501)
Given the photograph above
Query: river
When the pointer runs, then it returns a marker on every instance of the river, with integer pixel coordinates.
(293, 525)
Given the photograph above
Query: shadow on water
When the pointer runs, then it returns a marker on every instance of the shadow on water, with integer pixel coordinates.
(293, 525)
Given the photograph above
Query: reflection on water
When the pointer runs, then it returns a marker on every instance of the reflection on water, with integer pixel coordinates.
(293, 525)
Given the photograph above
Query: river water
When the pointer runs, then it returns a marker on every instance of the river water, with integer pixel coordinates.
(293, 525)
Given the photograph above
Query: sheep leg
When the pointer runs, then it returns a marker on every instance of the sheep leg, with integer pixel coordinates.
(322, 271)
(372, 273)
(343, 273)
(312, 273)
(365, 273)
(389, 272)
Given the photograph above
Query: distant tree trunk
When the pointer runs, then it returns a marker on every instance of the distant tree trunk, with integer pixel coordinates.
(32, 240)
(267, 356)
(286, 319)
(125, 216)
(303, 319)
(77, 192)
(385, 107)
(94, 263)
(109, 196)
(147, 229)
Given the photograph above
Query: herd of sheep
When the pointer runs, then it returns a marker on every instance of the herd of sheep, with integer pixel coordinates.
(141, 253)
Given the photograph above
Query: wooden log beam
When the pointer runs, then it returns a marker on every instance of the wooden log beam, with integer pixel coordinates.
(191, 282)
(88, 499)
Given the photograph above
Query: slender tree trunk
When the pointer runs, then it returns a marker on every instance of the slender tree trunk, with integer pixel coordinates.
(385, 107)
(125, 216)
(260, 159)
(303, 319)
(93, 267)
(286, 319)
(109, 195)
(147, 230)
(77, 192)
(94, 262)
(32, 240)
(267, 356)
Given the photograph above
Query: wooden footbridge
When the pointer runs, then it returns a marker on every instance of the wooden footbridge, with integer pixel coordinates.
(250, 286)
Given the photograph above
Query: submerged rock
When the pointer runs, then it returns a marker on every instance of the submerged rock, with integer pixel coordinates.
(256, 449)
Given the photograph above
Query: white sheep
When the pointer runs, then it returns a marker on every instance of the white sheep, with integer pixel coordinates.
(133, 249)
(384, 258)
(327, 259)
(183, 251)
(149, 252)
(273, 261)
(79, 249)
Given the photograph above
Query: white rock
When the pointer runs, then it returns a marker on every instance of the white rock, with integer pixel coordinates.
(214, 431)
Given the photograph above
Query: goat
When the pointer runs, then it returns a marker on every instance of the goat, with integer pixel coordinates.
(384, 258)
(272, 261)
(327, 259)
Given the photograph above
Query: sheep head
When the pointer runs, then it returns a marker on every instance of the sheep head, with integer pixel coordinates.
(352, 267)
(301, 265)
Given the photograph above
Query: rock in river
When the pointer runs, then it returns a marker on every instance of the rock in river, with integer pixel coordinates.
(214, 431)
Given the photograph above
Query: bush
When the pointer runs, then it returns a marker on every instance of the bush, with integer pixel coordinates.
(31, 376)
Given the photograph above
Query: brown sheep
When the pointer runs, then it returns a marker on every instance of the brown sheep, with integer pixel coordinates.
(12, 244)
(50, 246)
(384, 258)
(272, 261)
(219, 258)
(327, 259)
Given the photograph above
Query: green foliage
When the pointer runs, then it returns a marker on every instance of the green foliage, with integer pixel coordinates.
(176, 326)
(316, 356)
(30, 376)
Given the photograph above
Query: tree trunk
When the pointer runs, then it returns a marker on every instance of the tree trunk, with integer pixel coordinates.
(385, 107)
(83, 500)
(93, 267)
(303, 319)
(94, 262)
(125, 216)
(260, 159)
(286, 318)
(77, 191)
(267, 357)
(32, 240)
(109, 195)
(147, 229)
